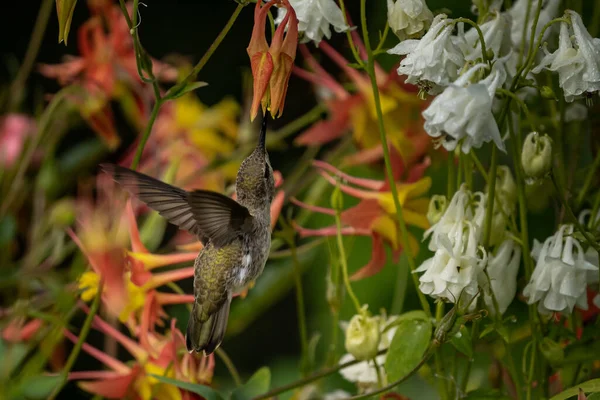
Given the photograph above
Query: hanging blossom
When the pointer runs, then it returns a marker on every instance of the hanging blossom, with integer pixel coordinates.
(154, 354)
(577, 59)
(375, 214)
(560, 277)
(408, 18)
(462, 114)
(315, 18)
(355, 112)
(272, 64)
(432, 62)
(459, 258)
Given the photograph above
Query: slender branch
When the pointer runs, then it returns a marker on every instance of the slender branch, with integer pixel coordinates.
(349, 35)
(16, 88)
(146, 134)
(484, 53)
(588, 179)
(230, 366)
(489, 212)
(85, 330)
(300, 308)
(386, 156)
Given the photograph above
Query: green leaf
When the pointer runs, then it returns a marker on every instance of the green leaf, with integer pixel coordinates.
(408, 347)
(11, 355)
(462, 341)
(38, 387)
(176, 91)
(64, 9)
(594, 396)
(257, 384)
(486, 394)
(204, 391)
(592, 385)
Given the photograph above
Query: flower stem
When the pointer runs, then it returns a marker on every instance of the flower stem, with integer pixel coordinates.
(489, 212)
(16, 88)
(85, 329)
(349, 36)
(386, 156)
(230, 366)
(588, 180)
(300, 308)
(484, 53)
(344, 261)
(451, 186)
(146, 135)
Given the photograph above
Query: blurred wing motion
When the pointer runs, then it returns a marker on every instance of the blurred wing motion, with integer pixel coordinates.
(209, 215)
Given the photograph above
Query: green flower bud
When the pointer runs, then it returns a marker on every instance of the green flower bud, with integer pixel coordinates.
(499, 221)
(506, 188)
(552, 351)
(363, 336)
(437, 208)
(547, 93)
(337, 199)
(536, 157)
(538, 194)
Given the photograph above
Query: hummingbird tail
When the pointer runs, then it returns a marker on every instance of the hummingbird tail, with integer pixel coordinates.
(207, 336)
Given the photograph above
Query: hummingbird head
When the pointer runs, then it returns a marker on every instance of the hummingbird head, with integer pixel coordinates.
(255, 185)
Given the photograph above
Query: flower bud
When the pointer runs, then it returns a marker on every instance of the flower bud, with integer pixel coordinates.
(547, 93)
(498, 231)
(363, 336)
(408, 18)
(538, 195)
(536, 157)
(437, 208)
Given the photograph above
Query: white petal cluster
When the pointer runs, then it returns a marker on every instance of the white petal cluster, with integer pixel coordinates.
(434, 60)
(463, 112)
(560, 278)
(364, 373)
(577, 59)
(408, 18)
(315, 18)
(458, 258)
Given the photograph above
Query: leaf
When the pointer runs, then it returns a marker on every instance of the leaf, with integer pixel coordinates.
(176, 91)
(408, 346)
(592, 385)
(204, 391)
(257, 384)
(64, 9)
(594, 396)
(38, 387)
(11, 355)
(486, 394)
(462, 341)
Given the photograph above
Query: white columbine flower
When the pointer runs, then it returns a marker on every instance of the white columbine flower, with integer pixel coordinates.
(496, 35)
(518, 12)
(463, 112)
(502, 270)
(559, 280)
(408, 18)
(455, 266)
(577, 59)
(364, 373)
(315, 18)
(433, 61)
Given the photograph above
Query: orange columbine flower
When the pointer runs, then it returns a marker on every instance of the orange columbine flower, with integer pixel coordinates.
(272, 65)
(107, 70)
(355, 111)
(103, 237)
(156, 354)
(375, 215)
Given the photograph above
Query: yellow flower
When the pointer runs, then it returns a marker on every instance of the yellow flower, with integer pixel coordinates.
(150, 388)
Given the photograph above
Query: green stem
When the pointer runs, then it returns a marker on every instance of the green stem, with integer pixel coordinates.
(479, 166)
(229, 365)
(146, 135)
(16, 88)
(588, 180)
(386, 156)
(349, 36)
(559, 193)
(309, 379)
(489, 212)
(524, 34)
(594, 28)
(465, 380)
(451, 188)
(484, 54)
(300, 308)
(85, 330)
(522, 104)
(343, 260)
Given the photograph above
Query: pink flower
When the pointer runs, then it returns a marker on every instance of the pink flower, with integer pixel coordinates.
(14, 130)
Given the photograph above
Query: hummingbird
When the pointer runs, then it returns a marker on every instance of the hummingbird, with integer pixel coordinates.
(236, 236)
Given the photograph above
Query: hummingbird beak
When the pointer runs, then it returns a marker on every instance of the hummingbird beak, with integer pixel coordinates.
(262, 141)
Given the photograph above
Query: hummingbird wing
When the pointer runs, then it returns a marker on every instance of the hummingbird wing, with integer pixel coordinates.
(209, 215)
